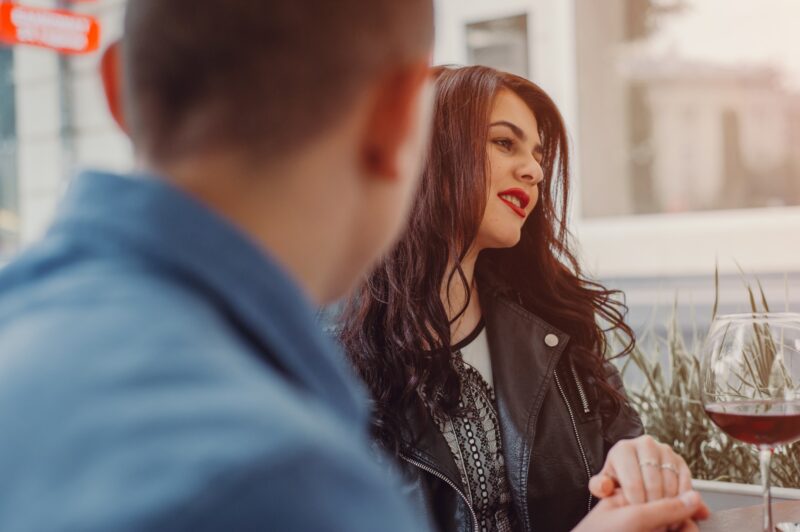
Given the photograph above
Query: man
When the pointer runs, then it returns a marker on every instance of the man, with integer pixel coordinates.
(159, 363)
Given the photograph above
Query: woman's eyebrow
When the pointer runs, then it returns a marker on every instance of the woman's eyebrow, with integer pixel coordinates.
(513, 127)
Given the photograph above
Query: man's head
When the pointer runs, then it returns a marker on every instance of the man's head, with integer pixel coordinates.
(274, 84)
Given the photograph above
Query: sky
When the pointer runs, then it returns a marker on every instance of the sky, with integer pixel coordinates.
(736, 32)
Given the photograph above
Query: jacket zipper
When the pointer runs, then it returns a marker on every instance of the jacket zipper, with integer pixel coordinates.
(577, 437)
(581, 393)
(449, 482)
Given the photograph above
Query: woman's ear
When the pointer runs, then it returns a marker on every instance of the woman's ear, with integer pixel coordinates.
(111, 74)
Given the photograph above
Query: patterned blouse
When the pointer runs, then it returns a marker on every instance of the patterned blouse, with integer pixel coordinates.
(474, 440)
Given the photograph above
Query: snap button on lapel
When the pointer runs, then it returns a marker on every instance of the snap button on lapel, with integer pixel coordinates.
(551, 340)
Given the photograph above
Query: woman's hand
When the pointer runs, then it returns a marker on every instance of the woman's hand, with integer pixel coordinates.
(615, 514)
(645, 470)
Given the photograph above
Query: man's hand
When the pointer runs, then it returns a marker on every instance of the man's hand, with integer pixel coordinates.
(614, 514)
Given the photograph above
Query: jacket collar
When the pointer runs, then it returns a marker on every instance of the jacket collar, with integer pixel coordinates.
(524, 351)
(142, 217)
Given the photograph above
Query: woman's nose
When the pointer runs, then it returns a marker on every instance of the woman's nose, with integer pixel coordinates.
(531, 172)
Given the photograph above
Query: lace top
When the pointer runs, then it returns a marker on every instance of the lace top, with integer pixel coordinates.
(474, 440)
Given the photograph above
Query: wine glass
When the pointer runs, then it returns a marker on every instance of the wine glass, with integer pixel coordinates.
(750, 383)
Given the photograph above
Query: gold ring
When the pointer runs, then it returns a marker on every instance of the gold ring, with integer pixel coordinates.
(670, 467)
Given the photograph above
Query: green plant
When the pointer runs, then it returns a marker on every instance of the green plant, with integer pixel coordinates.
(671, 409)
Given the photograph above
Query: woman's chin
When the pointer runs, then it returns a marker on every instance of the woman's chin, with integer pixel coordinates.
(505, 241)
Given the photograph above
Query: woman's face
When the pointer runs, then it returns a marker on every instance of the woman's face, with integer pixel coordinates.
(514, 152)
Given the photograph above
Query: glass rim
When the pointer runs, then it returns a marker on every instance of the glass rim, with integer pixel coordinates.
(746, 316)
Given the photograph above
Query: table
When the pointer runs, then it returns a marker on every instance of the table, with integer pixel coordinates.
(748, 518)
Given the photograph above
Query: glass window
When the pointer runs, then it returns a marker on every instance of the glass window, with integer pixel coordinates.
(500, 43)
(680, 113)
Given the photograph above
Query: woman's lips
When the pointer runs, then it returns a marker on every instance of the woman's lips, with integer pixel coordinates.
(514, 196)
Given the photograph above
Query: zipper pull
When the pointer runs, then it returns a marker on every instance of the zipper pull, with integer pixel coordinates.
(581, 392)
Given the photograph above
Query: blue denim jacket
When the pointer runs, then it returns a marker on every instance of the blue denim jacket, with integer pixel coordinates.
(158, 371)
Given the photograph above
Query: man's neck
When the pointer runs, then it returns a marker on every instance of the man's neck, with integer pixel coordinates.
(284, 210)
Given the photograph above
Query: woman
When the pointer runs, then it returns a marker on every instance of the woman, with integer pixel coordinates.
(479, 338)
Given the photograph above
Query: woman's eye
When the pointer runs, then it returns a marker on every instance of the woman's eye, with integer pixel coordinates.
(506, 144)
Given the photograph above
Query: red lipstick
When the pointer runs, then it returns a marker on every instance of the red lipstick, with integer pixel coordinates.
(519, 194)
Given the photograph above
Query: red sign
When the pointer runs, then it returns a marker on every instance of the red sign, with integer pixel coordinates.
(49, 28)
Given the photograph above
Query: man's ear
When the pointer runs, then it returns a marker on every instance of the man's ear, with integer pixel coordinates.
(394, 118)
(111, 74)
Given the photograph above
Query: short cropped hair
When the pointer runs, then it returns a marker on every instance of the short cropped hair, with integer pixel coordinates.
(265, 76)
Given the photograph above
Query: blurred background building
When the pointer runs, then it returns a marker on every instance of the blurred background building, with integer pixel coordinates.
(53, 120)
(684, 117)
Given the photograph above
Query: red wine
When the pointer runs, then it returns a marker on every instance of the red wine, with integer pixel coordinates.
(758, 422)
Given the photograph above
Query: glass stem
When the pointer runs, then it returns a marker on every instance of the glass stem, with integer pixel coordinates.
(765, 459)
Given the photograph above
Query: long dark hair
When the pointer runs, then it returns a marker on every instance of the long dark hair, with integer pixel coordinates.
(395, 328)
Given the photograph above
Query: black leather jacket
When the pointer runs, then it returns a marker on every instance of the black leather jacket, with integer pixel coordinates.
(553, 436)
